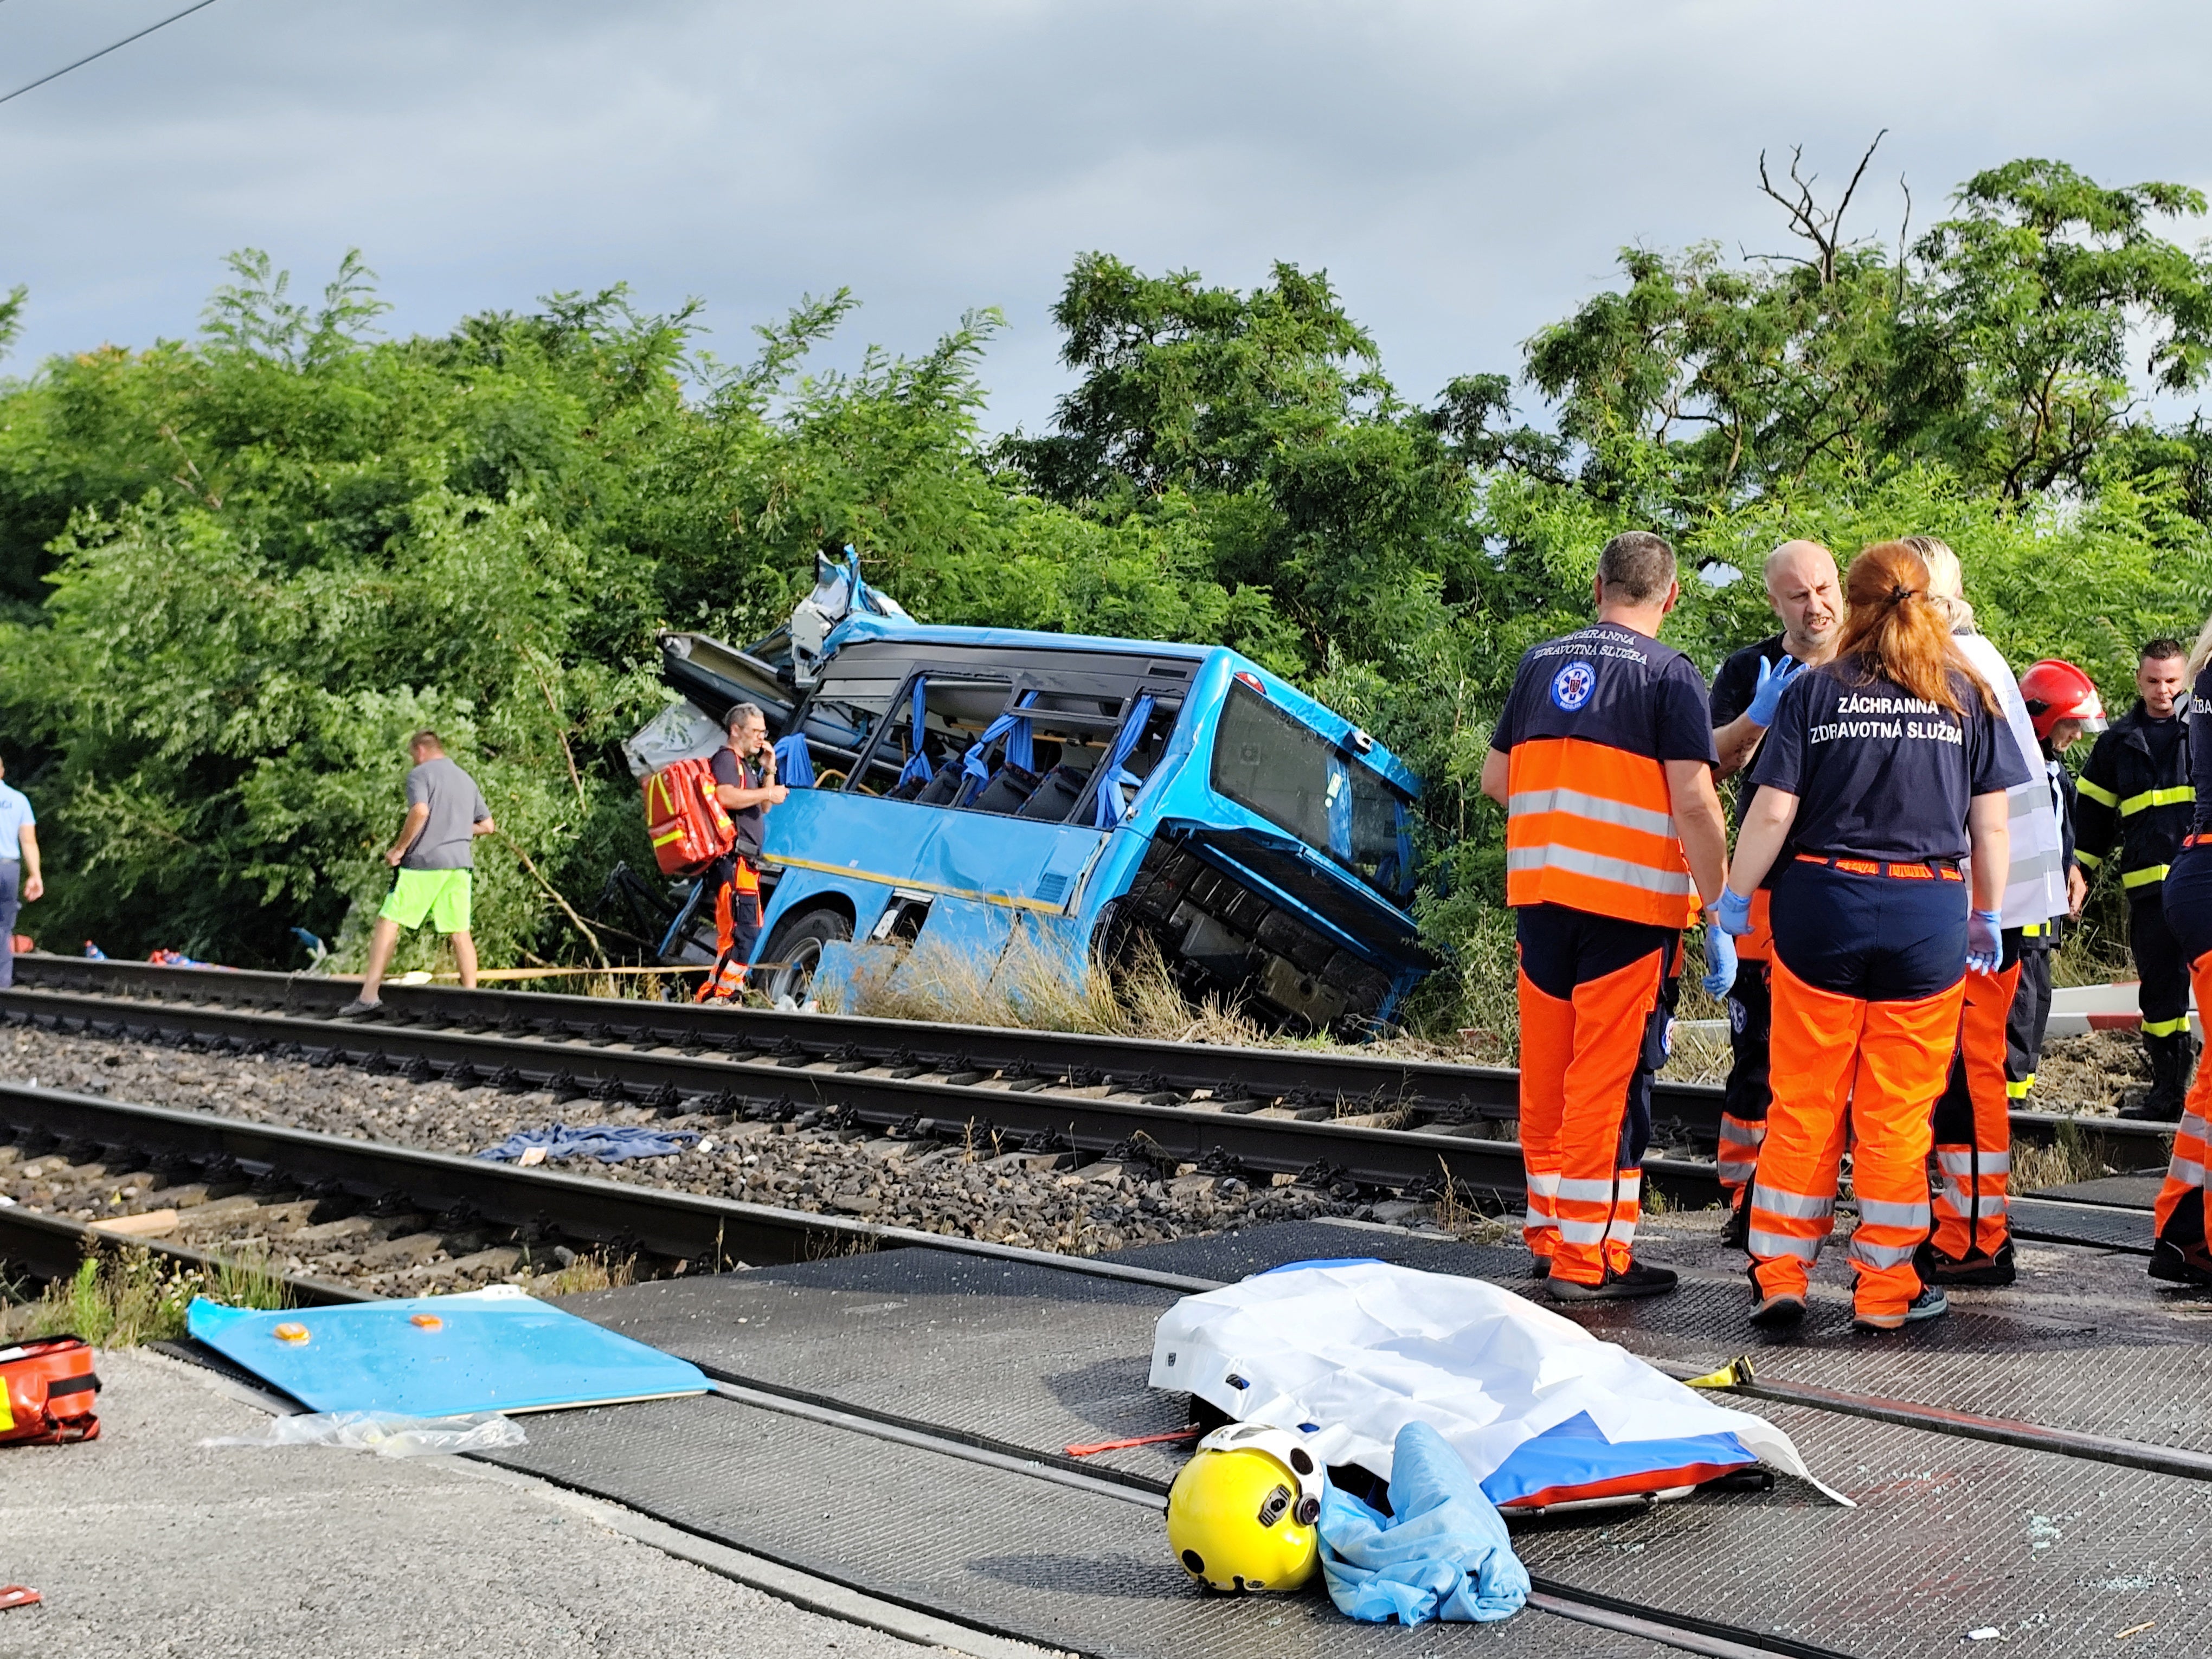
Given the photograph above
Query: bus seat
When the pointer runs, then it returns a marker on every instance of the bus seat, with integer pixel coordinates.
(1006, 792)
(1054, 798)
(942, 789)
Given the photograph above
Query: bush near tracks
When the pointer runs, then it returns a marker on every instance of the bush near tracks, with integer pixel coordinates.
(238, 570)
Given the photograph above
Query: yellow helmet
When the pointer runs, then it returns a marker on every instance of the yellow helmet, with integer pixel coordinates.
(1241, 1513)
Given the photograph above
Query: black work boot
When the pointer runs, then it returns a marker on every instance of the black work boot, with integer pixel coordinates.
(1937, 1269)
(2169, 1263)
(2169, 1058)
(1735, 1231)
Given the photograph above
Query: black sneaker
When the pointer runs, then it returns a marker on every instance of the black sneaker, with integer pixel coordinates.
(2171, 1265)
(1930, 1303)
(1778, 1311)
(1934, 1267)
(359, 1010)
(1638, 1281)
(1735, 1231)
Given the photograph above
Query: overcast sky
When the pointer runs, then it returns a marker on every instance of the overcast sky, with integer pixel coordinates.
(1465, 172)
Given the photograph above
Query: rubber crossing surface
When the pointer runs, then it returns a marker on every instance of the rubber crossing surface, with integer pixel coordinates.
(1952, 1534)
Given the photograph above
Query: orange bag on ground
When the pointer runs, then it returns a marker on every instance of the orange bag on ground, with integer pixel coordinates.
(689, 826)
(47, 1391)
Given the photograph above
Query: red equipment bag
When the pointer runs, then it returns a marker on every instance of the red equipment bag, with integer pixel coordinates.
(687, 823)
(47, 1389)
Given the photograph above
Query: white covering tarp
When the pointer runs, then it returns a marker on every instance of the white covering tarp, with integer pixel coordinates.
(1362, 1348)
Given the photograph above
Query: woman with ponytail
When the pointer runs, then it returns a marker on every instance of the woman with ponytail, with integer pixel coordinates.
(1883, 772)
(2179, 1254)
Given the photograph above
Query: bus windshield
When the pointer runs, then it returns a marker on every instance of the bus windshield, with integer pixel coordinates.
(1270, 763)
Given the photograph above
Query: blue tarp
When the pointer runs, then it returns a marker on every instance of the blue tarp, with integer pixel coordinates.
(497, 1351)
(610, 1142)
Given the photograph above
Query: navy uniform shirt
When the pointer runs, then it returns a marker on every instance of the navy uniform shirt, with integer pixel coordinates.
(1612, 685)
(1878, 773)
(2200, 747)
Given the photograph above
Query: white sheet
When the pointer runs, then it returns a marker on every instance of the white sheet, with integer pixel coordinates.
(1362, 1348)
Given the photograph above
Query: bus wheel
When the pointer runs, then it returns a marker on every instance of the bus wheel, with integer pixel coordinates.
(797, 948)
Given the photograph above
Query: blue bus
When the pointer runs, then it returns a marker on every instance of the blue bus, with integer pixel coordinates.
(968, 782)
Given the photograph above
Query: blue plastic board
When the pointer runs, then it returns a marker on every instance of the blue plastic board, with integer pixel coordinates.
(485, 1354)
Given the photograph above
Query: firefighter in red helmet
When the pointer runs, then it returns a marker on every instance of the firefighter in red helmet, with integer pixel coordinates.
(2061, 704)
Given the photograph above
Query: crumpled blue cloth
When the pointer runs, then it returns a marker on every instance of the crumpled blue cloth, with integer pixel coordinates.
(1441, 1554)
(610, 1142)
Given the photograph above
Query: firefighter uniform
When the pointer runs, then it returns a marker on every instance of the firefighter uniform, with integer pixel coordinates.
(2179, 1252)
(1601, 890)
(1973, 1239)
(2136, 791)
(1870, 919)
(734, 880)
(1749, 1001)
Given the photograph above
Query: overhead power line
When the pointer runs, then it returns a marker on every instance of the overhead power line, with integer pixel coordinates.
(202, 5)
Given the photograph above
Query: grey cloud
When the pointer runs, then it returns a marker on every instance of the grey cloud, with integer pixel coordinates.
(1466, 171)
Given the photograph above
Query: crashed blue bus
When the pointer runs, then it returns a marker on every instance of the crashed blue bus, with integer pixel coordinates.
(971, 782)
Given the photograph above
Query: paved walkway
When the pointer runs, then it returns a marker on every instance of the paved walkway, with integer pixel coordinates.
(145, 1543)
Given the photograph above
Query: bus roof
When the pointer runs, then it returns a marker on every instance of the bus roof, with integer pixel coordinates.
(853, 630)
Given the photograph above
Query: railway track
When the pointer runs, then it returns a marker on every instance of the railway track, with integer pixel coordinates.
(281, 1167)
(1348, 1090)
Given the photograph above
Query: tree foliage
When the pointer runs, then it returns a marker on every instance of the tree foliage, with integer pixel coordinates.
(238, 569)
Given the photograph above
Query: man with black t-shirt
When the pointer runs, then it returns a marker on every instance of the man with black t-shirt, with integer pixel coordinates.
(2137, 789)
(745, 783)
(1802, 587)
(1614, 842)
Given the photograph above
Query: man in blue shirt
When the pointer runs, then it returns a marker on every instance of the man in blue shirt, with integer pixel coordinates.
(20, 880)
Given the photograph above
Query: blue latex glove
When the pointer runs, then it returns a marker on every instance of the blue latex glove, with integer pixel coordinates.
(1734, 912)
(1720, 961)
(1441, 1553)
(1984, 949)
(1774, 678)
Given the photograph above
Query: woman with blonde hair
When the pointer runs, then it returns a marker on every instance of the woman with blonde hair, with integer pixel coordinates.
(1884, 769)
(1973, 1239)
(2179, 1252)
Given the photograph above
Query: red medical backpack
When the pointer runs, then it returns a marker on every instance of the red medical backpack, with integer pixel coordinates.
(46, 1390)
(687, 823)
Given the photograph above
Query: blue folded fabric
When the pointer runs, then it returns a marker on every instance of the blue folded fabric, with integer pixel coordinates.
(610, 1142)
(1443, 1552)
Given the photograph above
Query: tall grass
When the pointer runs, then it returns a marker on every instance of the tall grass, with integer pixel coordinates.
(1031, 985)
(122, 1297)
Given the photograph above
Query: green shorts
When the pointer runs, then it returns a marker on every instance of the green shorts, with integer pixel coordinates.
(440, 894)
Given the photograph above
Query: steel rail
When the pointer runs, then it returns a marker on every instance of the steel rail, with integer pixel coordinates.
(1432, 1090)
(46, 1246)
(683, 1226)
(697, 1227)
(1485, 1171)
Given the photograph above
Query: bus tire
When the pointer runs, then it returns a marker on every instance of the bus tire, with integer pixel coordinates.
(796, 951)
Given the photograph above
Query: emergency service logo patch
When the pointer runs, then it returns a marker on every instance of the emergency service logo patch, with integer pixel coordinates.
(1572, 685)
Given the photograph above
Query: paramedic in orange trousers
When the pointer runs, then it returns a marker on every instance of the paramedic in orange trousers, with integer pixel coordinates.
(1603, 760)
(745, 782)
(1882, 772)
(1802, 587)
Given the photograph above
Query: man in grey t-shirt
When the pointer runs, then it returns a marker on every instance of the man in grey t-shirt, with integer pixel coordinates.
(446, 812)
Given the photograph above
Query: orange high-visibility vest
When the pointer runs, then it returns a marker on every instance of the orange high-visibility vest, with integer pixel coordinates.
(1592, 826)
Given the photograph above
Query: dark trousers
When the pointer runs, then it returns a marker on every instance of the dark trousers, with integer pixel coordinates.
(2030, 1019)
(2161, 962)
(11, 892)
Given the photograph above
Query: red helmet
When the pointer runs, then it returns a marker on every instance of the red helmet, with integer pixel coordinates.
(2057, 691)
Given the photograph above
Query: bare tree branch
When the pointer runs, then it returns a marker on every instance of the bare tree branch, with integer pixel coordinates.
(1822, 227)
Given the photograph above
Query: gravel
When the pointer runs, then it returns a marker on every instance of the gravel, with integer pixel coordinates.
(982, 1191)
(144, 1542)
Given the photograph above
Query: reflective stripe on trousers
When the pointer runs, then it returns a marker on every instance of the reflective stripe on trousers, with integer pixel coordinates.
(2177, 1218)
(1973, 1147)
(1578, 1056)
(1873, 1067)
